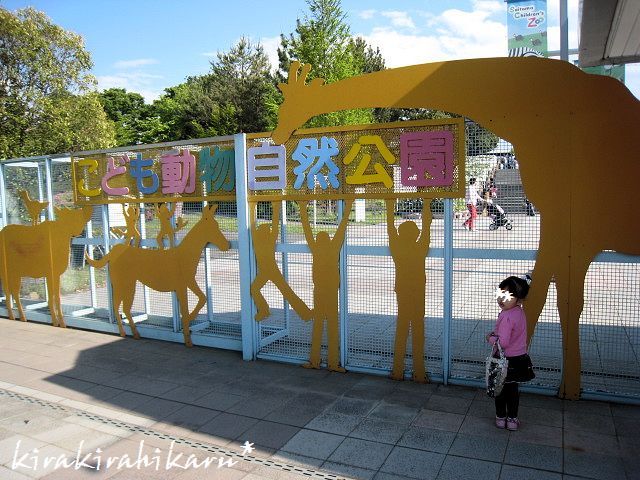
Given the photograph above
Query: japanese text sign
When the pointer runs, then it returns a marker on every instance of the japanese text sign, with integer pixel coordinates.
(410, 159)
(190, 172)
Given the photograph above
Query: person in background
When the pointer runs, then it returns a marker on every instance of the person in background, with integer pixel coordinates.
(472, 198)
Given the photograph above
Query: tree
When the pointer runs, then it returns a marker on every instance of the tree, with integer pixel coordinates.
(70, 123)
(479, 140)
(189, 110)
(323, 39)
(134, 120)
(242, 82)
(40, 62)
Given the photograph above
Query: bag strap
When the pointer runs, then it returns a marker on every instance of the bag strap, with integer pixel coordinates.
(500, 350)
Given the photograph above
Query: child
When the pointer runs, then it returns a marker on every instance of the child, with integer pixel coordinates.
(511, 330)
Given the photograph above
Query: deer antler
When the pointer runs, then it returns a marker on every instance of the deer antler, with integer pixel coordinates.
(296, 82)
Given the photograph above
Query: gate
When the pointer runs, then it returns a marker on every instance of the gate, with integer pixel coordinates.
(463, 269)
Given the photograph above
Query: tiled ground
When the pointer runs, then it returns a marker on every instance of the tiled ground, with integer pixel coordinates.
(349, 425)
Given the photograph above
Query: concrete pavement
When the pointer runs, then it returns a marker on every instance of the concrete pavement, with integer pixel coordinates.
(138, 405)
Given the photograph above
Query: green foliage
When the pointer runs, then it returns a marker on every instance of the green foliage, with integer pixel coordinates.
(135, 122)
(323, 39)
(242, 84)
(479, 140)
(44, 80)
(238, 94)
(70, 123)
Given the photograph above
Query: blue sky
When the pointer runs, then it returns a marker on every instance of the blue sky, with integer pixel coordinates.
(148, 45)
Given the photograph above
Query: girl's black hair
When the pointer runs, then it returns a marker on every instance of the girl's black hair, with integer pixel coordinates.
(518, 287)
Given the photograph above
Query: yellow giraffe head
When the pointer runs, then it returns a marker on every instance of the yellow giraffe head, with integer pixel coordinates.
(297, 95)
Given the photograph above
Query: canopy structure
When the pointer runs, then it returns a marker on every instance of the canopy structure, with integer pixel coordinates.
(609, 32)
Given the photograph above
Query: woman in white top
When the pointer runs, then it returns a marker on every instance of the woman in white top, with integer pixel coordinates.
(472, 198)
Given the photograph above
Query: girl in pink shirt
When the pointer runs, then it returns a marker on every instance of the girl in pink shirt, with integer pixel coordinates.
(511, 330)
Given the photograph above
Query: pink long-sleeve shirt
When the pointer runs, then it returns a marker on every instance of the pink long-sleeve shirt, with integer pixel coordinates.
(511, 329)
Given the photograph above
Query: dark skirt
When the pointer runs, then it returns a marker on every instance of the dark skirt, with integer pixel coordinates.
(520, 369)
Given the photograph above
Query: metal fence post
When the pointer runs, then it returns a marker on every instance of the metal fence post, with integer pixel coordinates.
(249, 331)
(107, 248)
(343, 295)
(448, 289)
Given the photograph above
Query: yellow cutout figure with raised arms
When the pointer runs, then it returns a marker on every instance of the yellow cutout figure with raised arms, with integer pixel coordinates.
(37, 251)
(130, 233)
(326, 282)
(265, 237)
(166, 229)
(409, 249)
(574, 135)
(172, 270)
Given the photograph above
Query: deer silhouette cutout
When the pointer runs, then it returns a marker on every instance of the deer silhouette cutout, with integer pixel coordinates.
(171, 270)
(37, 251)
(34, 207)
(574, 135)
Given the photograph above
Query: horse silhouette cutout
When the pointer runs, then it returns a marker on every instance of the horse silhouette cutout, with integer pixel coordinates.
(34, 207)
(326, 282)
(574, 136)
(171, 270)
(37, 251)
(409, 249)
(265, 237)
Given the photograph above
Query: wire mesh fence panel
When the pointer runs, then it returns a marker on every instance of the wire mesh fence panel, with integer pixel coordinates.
(609, 325)
(291, 335)
(25, 197)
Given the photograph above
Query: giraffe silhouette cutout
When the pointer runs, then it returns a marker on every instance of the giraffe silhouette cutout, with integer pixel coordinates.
(574, 135)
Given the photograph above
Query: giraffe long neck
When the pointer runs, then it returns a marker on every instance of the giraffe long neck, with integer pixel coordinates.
(494, 92)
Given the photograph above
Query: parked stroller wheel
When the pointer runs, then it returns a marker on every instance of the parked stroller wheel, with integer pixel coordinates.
(493, 226)
(508, 226)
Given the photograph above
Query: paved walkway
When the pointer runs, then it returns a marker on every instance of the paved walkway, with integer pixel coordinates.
(117, 400)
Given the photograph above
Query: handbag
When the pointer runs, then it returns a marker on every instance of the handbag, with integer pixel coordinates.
(496, 370)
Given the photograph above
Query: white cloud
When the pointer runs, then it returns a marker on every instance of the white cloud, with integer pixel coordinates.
(399, 19)
(367, 14)
(139, 82)
(139, 62)
(492, 6)
(453, 34)
(632, 78)
(270, 46)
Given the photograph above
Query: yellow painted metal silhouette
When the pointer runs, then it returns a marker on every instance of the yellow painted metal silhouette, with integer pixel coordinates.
(326, 282)
(166, 229)
(130, 233)
(34, 207)
(265, 237)
(39, 251)
(409, 248)
(574, 135)
(171, 270)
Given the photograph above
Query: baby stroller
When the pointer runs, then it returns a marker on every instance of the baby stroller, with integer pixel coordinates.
(499, 218)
